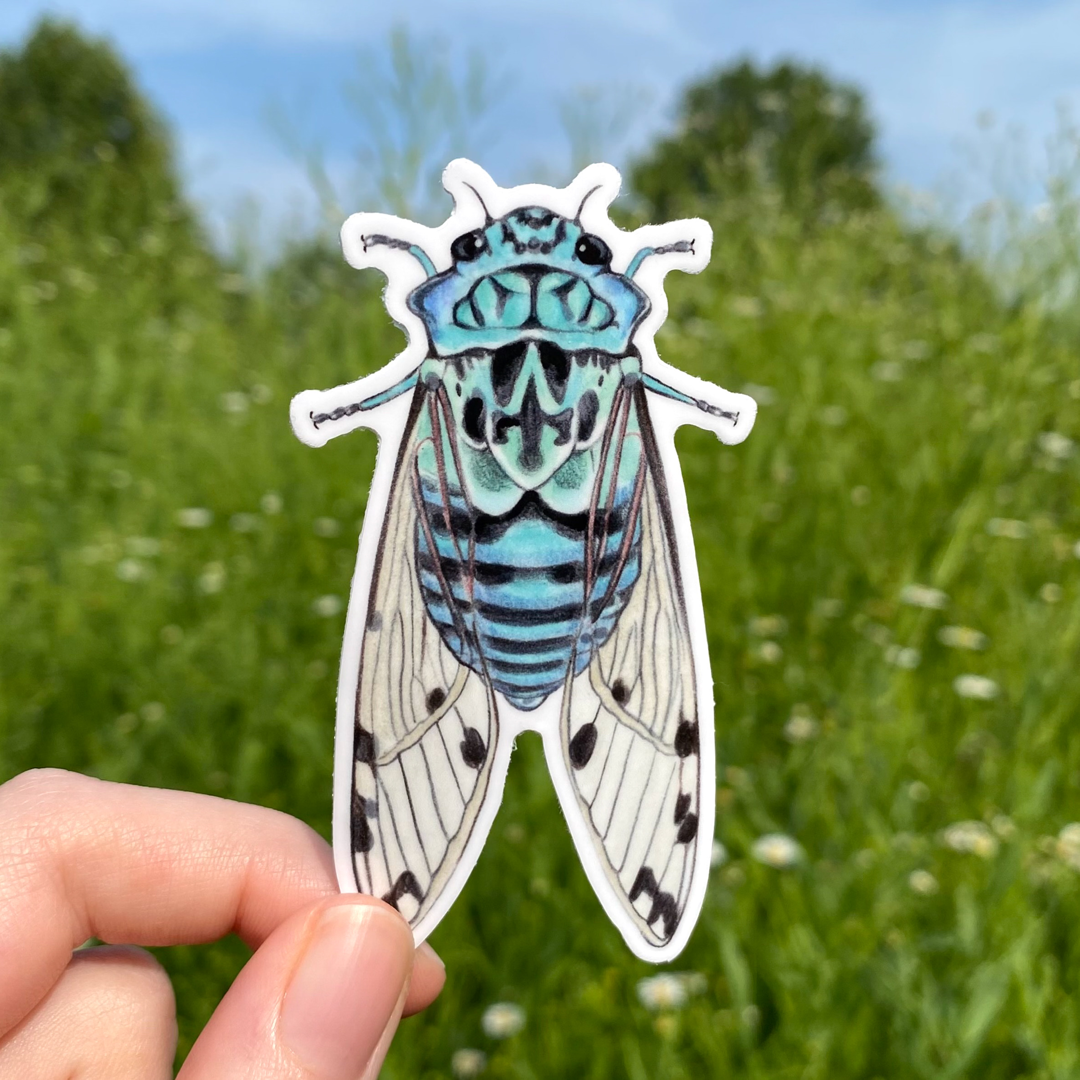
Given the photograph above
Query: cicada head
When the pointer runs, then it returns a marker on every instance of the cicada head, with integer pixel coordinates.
(532, 273)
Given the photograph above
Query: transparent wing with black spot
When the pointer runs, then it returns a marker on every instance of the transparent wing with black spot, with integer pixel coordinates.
(630, 732)
(426, 725)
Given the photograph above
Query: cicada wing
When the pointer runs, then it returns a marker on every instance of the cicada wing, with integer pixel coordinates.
(426, 730)
(631, 742)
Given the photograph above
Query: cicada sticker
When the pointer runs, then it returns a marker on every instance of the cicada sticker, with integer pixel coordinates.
(526, 559)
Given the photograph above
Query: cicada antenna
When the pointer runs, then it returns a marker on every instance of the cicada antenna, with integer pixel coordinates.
(488, 219)
(587, 196)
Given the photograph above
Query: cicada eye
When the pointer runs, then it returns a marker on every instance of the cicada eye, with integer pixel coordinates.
(468, 246)
(592, 251)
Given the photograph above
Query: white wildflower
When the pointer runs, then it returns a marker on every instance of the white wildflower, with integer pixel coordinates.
(502, 1020)
(662, 993)
(776, 850)
(984, 343)
(962, 637)
(768, 625)
(145, 547)
(326, 527)
(132, 570)
(467, 1063)
(748, 307)
(903, 657)
(922, 882)
(833, 415)
(924, 596)
(887, 371)
(918, 791)
(1003, 825)
(719, 854)
(763, 395)
(1051, 593)
(1009, 528)
(971, 838)
(153, 712)
(751, 1016)
(916, 349)
(243, 523)
(212, 578)
(978, 687)
(801, 726)
(327, 606)
(261, 394)
(1067, 845)
(234, 402)
(670, 990)
(194, 517)
(271, 503)
(1055, 445)
(733, 876)
(770, 652)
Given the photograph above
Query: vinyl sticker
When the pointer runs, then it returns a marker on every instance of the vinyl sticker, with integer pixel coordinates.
(526, 559)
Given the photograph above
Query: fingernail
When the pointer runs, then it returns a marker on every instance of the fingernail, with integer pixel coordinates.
(345, 989)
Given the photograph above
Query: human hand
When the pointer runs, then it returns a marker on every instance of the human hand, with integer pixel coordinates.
(319, 1000)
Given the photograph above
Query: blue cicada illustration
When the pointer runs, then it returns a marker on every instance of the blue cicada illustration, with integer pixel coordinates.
(526, 559)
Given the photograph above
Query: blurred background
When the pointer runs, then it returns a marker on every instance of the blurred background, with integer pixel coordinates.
(890, 564)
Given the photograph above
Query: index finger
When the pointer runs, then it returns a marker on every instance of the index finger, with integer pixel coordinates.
(83, 858)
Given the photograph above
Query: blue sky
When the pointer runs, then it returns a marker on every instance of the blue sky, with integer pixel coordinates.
(214, 67)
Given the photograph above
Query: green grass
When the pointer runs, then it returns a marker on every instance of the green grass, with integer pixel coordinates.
(904, 412)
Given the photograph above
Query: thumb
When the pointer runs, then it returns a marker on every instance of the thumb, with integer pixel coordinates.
(320, 1000)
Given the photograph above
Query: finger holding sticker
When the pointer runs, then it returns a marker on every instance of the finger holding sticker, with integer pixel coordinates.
(526, 559)
(319, 1000)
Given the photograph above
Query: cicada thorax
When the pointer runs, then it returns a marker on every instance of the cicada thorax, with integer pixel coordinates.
(525, 565)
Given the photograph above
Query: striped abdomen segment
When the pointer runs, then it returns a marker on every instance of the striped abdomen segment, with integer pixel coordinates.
(526, 615)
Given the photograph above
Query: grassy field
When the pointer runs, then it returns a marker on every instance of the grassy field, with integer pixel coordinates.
(174, 565)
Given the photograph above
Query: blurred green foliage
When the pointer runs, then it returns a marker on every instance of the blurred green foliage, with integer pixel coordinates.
(80, 148)
(790, 127)
(164, 542)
